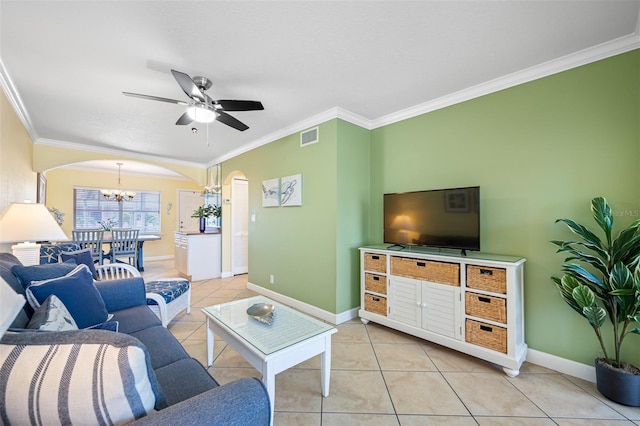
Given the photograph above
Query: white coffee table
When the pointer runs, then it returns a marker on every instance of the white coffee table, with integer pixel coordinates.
(292, 337)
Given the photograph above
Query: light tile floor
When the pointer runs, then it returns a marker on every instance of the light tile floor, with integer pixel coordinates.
(383, 377)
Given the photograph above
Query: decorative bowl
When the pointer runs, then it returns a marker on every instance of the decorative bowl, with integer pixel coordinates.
(262, 312)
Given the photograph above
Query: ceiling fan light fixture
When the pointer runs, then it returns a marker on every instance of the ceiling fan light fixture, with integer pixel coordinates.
(201, 114)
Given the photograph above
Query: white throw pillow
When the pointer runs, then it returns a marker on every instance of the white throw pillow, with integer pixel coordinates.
(52, 315)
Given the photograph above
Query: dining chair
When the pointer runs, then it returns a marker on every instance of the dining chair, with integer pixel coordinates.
(124, 244)
(90, 239)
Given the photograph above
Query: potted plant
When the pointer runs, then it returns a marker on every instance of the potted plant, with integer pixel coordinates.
(602, 280)
(205, 211)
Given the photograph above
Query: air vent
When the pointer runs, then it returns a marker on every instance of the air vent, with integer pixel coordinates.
(309, 136)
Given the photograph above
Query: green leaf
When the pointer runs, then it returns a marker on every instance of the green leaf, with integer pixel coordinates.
(623, 292)
(583, 296)
(583, 232)
(626, 246)
(596, 262)
(620, 277)
(596, 315)
(602, 215)
(582, 274)
(566, 286)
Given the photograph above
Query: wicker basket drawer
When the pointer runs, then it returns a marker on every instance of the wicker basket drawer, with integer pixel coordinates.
(489, 336)
(487, 279)
(375, 283)
(375, 304)
(375, 262)
(437, 272)
(487, 307)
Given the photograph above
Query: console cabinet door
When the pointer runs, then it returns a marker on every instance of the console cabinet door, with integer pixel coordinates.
(441, 309)
(405, 300)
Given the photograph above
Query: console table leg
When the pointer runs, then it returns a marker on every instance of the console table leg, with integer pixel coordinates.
(509, 372)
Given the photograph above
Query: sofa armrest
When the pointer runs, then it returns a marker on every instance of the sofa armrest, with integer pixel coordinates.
(123, 293)
(242, 402)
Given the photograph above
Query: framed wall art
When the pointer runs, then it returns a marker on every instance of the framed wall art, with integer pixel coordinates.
(271, 193)
(291, 190)
(41, 196)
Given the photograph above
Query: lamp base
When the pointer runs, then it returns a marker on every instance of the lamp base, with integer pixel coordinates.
(27, 253)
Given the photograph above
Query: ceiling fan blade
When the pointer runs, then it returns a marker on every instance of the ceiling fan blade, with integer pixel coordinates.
(234, 105)
(183, 120)
(188, 85)
(225, 118)
(155, 98)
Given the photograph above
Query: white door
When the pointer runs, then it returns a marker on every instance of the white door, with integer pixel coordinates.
(239, 226)
(188, 201)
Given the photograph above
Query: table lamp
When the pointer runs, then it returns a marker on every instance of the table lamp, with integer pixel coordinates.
(27, 223)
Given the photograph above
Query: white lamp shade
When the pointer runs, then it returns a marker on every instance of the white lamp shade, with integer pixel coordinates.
(200, 114)
(10, 305)
(29, 222)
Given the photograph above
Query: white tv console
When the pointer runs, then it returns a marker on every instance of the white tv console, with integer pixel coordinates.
(473, 304)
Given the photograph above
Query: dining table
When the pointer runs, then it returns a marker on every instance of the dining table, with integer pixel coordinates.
(107, 239)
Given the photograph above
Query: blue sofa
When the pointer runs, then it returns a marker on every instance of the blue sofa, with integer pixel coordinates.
(183, 391)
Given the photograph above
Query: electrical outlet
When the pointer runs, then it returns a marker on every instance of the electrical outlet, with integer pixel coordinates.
(271, 279)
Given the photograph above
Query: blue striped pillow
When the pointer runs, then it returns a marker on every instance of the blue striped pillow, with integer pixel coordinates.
(75, 377)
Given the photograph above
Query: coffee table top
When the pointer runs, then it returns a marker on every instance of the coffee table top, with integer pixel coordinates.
(287, 328)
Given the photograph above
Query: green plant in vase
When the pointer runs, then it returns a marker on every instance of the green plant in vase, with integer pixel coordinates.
(204, 212)
(602, 280)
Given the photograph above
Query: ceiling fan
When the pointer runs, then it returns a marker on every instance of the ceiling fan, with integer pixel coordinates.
(201, 108)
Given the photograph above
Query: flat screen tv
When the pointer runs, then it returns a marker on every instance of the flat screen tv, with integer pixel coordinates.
(442, 218)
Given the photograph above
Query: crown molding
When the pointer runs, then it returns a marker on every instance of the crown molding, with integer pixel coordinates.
(115, 152)
(567, 62)
(312, 121)
(564, 63)
(16, 101)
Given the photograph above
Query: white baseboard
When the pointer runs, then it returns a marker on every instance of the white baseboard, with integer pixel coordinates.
(330, 317)
(543, 359)
(562, 365)
(226, 274)
(152, 258)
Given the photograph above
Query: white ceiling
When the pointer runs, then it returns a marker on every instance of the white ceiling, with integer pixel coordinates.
(65, 64)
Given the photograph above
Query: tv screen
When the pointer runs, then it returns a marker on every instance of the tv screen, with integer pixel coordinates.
(443, 218)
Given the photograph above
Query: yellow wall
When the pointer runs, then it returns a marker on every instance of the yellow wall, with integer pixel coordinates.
(17, 178)
(60, 184)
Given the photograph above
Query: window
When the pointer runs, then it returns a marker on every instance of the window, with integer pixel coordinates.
(92, 210)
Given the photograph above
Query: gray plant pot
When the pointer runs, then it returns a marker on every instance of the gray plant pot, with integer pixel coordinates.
(618, 385)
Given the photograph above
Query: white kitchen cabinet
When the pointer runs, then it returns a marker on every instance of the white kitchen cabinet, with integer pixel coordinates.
(198, 255)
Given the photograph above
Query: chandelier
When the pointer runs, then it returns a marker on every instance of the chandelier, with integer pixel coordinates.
(118, 194)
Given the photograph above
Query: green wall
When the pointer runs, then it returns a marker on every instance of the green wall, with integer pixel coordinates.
(539, 151)
(310, 249)
(352, 211)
